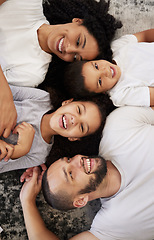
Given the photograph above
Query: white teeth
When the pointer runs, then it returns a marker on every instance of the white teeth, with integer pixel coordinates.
(112, 72)
(60, 44)
(88, 165)
(64, 122)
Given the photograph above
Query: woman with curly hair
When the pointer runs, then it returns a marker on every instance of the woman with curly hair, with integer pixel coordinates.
(72, 29)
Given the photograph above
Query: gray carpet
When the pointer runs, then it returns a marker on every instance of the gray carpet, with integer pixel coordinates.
(136, 15)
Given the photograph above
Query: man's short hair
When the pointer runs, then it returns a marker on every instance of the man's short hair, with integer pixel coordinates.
(59, 200)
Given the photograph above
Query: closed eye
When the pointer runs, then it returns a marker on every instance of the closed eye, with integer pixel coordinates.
(82, 128)
(70, 173)
(99, 82)
(78, 110)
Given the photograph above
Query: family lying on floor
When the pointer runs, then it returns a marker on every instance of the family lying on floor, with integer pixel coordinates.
(107, 88)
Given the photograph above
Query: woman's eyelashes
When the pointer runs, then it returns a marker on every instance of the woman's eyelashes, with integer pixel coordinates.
(82, 128)
(78, 41)
(78, 110)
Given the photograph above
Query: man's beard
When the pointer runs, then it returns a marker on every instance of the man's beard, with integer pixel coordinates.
(94, 182)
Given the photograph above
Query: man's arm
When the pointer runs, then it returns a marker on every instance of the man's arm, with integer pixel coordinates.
(145, 36)
(8, 116)
(36, 228)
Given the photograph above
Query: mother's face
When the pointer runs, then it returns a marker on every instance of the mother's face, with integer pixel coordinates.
(72, 41)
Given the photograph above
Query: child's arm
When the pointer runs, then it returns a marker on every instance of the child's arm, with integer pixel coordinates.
(6, 150)
(145, 36)
(25, 139)
(8, 114)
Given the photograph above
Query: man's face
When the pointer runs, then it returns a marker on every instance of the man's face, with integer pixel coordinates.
(72, 175)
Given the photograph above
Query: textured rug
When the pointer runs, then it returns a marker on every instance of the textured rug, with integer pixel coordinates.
(136, 15)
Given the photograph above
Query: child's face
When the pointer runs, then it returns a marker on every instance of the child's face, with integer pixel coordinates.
(76, 119)
(100, 75)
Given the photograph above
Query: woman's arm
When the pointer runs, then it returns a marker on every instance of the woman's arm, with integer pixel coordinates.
(2, 1)
(8, 114)
(145, 36)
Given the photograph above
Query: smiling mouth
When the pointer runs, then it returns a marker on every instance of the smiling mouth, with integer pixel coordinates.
(60, 44)
(64, 121)
(87, 165)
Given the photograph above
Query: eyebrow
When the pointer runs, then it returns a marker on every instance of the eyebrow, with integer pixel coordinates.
(84, 43)
(65, 174)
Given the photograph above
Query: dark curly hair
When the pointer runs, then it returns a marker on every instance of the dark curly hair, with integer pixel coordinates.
(96, 19)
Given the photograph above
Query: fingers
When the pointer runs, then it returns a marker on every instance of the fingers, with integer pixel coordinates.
(7, 132)
(22, 126)
(43, 166)
(25, 176)
(35, 174)
(10, 149)
(6, 151)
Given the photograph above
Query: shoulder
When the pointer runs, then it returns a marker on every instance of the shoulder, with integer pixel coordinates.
(123, 41)
(125, 127)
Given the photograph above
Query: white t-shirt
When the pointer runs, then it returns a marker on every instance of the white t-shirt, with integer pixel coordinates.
(136, 61)
(23, 61)
(128, 141)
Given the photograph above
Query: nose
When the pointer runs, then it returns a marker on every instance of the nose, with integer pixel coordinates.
(105, 72)
(74, 120)
(69, 48)
(76, 162)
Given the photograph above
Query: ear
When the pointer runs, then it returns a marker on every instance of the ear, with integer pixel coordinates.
(77, 20)
(80, 201)
(72, 139)
(67, 101)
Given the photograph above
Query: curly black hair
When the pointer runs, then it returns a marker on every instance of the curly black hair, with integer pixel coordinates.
(96, 19)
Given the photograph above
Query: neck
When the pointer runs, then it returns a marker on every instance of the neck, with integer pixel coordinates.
(110, 184)
(42, 33)
(46, 130)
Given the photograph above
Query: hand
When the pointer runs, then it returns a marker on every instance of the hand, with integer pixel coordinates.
(6, 150)
(25, 139)
(27, 175)
(32, 187)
